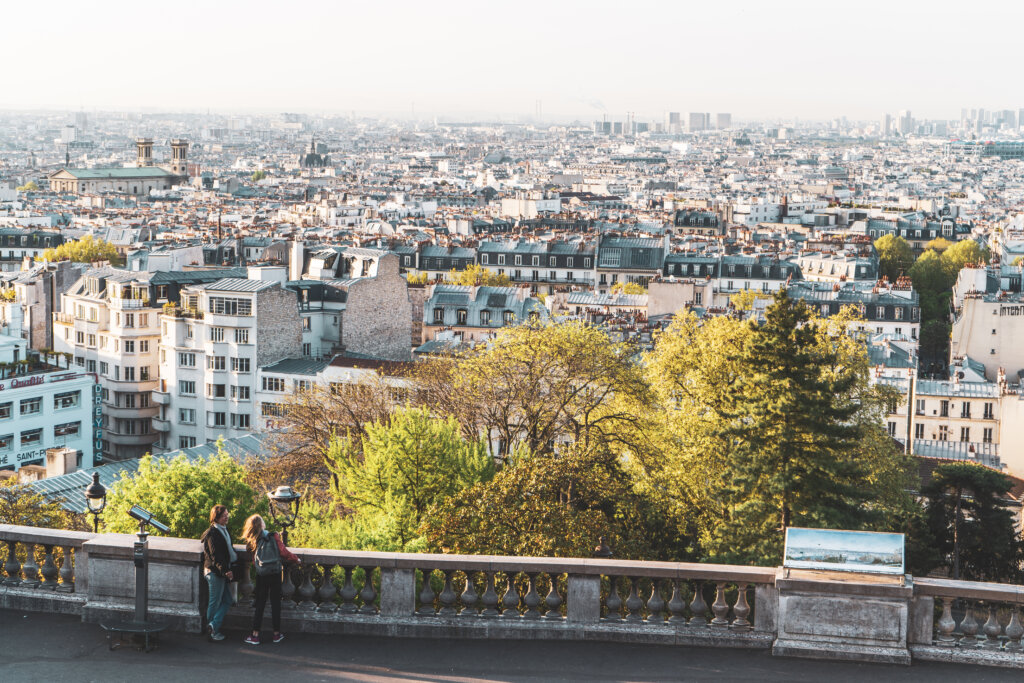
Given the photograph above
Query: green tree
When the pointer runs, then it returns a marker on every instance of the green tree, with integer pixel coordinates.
(628, 288)
(392, 476)
(258, 175)
(417, 278)
(939, 245)
(477, 275)
(30, 186)
(929, 274)
(746, 300)
(894, 255)
(85, 250)
(961, 254)
(557, 504)
(20, 505)
(180, 494)
(968, 517)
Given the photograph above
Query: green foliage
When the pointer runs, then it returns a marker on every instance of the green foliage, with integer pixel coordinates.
(417, 278)
(477, 275)
(961, 254)
(972, 528)
(392, 477)
(258, 175)
(628, 288)
(20, 505)
(745, 300)
(939, 245)
(559, 505)
(180, 494)
(894, 255)
(30, 186)
(320, 526)
(85, 250)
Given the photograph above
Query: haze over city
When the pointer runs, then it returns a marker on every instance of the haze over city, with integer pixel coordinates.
(496, 60)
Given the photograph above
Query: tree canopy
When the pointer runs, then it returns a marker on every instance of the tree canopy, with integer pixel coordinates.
(85, 250)
(628, 288)
(477, 275)
(894, 255)
(20, 505)
(30, 186)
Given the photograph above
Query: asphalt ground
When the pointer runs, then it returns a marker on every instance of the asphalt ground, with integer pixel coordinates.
(49, 647)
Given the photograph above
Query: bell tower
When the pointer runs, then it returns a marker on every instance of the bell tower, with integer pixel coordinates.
(145, 156)
(179, 154)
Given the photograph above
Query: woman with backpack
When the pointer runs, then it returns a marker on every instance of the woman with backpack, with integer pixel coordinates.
(268, 558)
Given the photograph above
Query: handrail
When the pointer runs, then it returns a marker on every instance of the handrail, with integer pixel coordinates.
(971, 590)
(31, 534)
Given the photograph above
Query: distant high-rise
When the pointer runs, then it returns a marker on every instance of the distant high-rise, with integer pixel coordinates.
(886, 126)
(673, 122)
(906, 122)
(723, 121)
(699, 121)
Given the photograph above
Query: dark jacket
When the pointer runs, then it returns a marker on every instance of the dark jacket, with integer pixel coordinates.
(216, 557)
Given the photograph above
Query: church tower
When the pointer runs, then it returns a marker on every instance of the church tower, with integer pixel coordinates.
(145, 156)
(179, 153)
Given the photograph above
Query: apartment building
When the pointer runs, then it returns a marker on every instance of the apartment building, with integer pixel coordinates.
(546, 265)
(210, 348)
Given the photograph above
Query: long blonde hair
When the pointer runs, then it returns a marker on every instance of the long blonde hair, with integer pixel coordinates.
(252, 530)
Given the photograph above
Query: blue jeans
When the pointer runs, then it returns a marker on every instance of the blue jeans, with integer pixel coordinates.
(219, 600)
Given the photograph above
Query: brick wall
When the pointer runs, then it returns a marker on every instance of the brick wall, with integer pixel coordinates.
(278, 326)
(378, 314)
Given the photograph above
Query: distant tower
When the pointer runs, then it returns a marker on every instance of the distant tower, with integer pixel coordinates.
(145, 156)
(179, 154)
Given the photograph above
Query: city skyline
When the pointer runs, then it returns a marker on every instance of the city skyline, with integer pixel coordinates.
(412, 61)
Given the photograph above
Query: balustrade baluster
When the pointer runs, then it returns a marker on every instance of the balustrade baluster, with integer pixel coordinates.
(348, 594)
(306, 591)
(1014, 631)
(698, 608)
(720, 608)
(946, 624)
(510, 601)
(245, 585)
(326, 591)
(677, 605)
(49, 568)
(553, 600)
(368, 594)
(287, 589)
(447, 597)
(468, 597)
(30, 569)
(969, 627)
(532, 598)
(613, 602)
(12, 567)
(741, 609)
(634, 605)
(992, 630)
(426, 595)
(490, 597)
(655, 603)
(67, 571)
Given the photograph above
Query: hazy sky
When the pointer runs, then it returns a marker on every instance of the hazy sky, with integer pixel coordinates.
(754, 59)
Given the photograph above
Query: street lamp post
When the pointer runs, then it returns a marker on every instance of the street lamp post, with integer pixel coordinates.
(284, 508)
(95, 500)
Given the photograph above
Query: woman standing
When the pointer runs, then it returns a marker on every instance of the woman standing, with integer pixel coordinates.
(269, 556)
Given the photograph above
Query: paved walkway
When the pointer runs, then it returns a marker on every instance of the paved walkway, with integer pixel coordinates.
(45, 647)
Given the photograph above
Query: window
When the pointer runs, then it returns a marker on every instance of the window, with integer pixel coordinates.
(125, 400)
(485, 317)
(439, 316)
(226, 306)
(6, 442)
(519, 260)
(989, 414)
(129, 346)
(239, 393)
(483, 259)
(271, 409)
(303, 385)
(307, 349)
(965, 409)
(552, 261)
(240, 364)
(31, 406)
(129, 320)
(215, 419)
(241, 336)
(880, 311)
(460, 316)
(239, 420)
(143, 319)
(217, 334)
(216, 391)
(186, 442)
(986, 435)
(186, 388)
(892, 429)
(67, 430)
(92, 340)
(216, 363)
(31, 437)
(5, 410)
(144, 346)
(508, 317)
(501, 259)
(943, 433)
(568, 262)
(920, 406)
(188, 331)
(143, 400)
(586, 263)
(307, 323)
(535, 261)
(144, 373)
(79, 337)
(187, 416)
(187, 360)
(273, 384)
(944, 409)
(899, 312)
(67, 399)
(129, 374)
(698, 298)
(965, 433)
(919, 431)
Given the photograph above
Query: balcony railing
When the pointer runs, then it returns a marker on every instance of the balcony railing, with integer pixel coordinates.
(468, 596)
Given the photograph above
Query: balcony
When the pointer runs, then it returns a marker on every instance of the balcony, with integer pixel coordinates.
(162, 398)
(128, 304)
(178, 312)
(498, 599)
(161, 425)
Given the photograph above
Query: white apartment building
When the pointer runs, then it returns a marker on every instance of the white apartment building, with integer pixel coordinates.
(210, 349)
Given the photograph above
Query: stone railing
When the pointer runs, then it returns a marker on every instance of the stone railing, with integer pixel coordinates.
(793, 613)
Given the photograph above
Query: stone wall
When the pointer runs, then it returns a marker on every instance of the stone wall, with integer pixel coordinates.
(278, 326)
(378, 314)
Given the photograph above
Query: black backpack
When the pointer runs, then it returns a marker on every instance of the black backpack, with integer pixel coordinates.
(267, 557)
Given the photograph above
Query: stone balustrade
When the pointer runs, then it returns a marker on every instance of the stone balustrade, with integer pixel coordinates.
(467, 596)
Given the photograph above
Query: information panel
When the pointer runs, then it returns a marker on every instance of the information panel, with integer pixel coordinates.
(849, 551)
